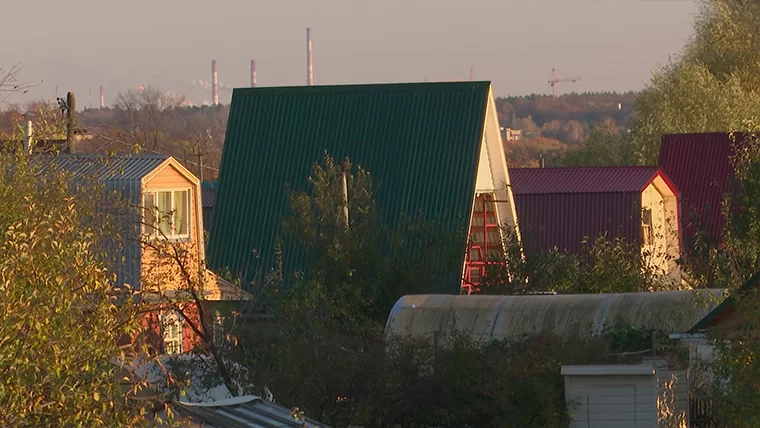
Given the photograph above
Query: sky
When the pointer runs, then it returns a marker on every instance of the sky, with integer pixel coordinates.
(613, 45)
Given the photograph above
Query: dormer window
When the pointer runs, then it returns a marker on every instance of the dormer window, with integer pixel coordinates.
(167, 213)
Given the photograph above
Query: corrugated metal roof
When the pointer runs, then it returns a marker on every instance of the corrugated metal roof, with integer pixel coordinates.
(581, 180)
(700, 167)
(208, 197)
(123, 174)
(564, 220)
(420, 142)
(246, 412)
(110, 168)
(560, 207)
(485, 318)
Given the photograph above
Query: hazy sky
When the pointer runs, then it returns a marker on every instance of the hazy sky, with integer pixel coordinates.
(611, 44)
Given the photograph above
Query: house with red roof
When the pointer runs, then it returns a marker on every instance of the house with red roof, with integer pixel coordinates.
(700, 167)
(563, 207)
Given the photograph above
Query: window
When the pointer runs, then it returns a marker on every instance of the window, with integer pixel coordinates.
(167, 213)
(171, 332)
(647, 235)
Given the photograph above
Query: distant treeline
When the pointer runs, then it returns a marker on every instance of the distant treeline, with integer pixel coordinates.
(552, 126)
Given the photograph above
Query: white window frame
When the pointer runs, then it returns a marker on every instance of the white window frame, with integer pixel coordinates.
(172, 344)
(156, 232)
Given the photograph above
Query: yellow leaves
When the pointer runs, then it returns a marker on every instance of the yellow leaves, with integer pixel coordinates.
(96, 396)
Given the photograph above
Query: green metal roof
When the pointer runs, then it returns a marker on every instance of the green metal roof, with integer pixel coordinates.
(420, 141)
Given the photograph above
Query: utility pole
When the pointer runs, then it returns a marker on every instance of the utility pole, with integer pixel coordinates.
(199, 155)
(345, 199)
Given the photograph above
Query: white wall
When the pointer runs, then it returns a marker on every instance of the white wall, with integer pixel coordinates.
(611, 401)
(666, 249)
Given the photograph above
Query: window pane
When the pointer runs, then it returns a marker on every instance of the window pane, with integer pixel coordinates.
(164, 211)
(172, 333)
(181, 212)
(149, 219)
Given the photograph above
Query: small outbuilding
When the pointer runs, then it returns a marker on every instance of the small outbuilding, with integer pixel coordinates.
(563, 207)
(625, 396)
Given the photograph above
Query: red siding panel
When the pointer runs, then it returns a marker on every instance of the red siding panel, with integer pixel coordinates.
(699, 165)
(564, 220)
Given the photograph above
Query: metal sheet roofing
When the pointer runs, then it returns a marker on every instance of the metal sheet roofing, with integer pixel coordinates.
(421, 143)
(208, 197)
(699, 165)
(561, 207)
(245, 412)
(565, 220)
(110, 168)
(581, 180)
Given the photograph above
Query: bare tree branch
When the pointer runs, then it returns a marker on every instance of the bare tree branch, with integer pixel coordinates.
(11, 83)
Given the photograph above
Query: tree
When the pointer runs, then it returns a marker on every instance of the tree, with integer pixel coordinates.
(713, 87)
(605, 146)
(146, 117)
(11, 82)
(61, 313)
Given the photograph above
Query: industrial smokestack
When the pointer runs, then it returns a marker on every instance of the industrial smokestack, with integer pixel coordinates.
(253, 73)
(102, 98)
(309, 63)
(215, 83)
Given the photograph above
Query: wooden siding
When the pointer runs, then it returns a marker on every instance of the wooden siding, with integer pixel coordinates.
(665, 249)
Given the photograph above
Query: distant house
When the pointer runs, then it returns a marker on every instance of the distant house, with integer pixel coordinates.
(166, 201)
(728, 317)
(432, 149)
(700, 167)
(562, 207)
(208, 196)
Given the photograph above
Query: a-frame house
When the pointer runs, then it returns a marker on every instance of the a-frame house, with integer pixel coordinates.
(432, 148)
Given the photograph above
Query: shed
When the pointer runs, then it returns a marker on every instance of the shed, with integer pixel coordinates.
(486, 318)
(562, 207)
(700, 167)
(430, 148)
(623, 396)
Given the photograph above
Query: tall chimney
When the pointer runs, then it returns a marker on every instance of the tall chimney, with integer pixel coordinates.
(71, 122)
(253, 73)
(215, 84)
(102, 98)
(309, 63)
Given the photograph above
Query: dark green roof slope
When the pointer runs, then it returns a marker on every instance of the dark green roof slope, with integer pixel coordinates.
(705, 322)
(421, 143)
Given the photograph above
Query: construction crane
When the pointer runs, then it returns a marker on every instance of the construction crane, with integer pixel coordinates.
(554, 81)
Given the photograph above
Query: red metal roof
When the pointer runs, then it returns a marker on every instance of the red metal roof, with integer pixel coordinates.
(699, 165)
(561, 207)
(532, 181)
(565, 220)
